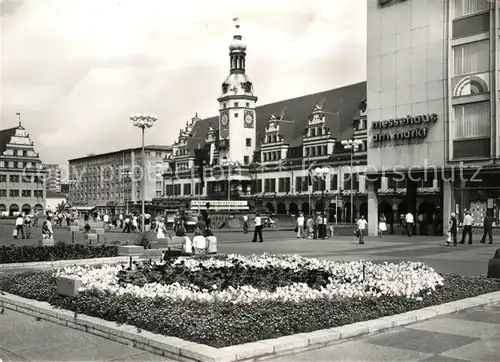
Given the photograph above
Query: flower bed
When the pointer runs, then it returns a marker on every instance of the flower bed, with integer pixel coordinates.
(60, 251)
(232, 299)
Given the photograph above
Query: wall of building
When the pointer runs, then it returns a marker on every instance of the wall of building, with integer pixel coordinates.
(114, 178)
(406, 76)
(53, 177)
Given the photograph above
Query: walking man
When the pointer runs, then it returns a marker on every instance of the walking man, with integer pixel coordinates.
(487, 229)
(468, 221)
(409, 223)
(258, 229)
(362, 223)
(300, 225)
(452, 230)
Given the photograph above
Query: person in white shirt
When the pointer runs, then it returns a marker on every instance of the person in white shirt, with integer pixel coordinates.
(105, 220)
(245, 224)
(258, 229)
(300, 226)
(409, 223)
(19, 231)
(120, 218)
(467, 227)
(362, 224)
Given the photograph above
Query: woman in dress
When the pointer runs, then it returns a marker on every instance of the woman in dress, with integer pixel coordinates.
(160, 229)
(382, 225)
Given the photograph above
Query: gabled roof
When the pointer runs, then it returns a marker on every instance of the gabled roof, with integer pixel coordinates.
(5, 136)
(345, 100)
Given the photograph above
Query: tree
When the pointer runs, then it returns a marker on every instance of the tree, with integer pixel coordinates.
(62, 206)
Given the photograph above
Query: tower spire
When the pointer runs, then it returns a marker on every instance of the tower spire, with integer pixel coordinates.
(237, 50)
(18, 114)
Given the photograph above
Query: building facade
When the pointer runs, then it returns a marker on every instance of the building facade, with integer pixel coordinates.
(267, 155)
(22, 177)
(53, 177)
(432, 93)
(113, 180)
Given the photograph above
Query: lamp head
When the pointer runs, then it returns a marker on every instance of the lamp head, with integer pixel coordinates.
(317, 170)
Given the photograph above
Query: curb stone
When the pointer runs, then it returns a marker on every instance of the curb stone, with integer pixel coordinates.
(185, 351)
(59, 263)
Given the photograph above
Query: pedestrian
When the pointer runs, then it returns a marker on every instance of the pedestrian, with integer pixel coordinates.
(19, 231)
(409, 223)
(27, 226)
(452, 230)
(487, 229)
(361, 224)
(245, 224)
(422, 223)
(258, 229)
(310, 227)
(300, 225)
(382, 226)
(47, 231)
(127, 227)
(467, 227)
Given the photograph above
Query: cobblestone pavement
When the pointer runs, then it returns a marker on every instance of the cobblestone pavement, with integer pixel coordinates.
(471, 335)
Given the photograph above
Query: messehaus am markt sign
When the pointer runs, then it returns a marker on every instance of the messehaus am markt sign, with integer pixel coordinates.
(400, 129)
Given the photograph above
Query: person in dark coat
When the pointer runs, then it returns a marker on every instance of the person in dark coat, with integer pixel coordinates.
(487, 229)
(453, 228)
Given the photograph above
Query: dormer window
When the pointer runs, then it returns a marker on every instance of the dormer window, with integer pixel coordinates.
(313, 132)
(248, 87)
(236, 104)
(225, 87)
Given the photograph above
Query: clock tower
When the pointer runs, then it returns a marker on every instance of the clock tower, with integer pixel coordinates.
(237, 122)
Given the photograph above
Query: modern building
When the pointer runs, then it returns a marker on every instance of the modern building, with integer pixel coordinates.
(432, 92)
(22, 177)
(261, 156)
(113, 180)
(53, 177)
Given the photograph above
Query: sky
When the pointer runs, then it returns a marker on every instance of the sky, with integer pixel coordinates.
(77, 69)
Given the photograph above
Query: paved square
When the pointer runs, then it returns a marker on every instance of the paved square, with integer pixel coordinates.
(456, 338)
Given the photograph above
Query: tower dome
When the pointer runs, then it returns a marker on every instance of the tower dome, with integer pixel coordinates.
(237, 44)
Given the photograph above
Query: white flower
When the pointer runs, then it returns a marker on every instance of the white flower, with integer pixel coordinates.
(407, 279)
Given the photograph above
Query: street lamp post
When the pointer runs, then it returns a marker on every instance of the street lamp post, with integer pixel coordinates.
(143, 121)
(322, 172)
(229, 165)
(352, 146)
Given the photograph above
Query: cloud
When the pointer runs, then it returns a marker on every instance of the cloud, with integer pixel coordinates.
(77, 69)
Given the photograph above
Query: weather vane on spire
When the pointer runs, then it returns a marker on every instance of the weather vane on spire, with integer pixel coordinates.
(236, 22)
(18, 114)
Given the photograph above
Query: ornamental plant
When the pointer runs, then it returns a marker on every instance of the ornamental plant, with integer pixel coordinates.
(60, 251)
(241, 280)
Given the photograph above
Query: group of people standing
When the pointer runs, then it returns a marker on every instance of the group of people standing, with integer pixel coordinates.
(467, 224)
(315, 227)
(24, 222)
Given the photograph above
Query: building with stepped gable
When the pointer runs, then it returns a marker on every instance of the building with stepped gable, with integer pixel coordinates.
(22, 176)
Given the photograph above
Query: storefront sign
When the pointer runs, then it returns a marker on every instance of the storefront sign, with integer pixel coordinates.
(406, 134)
(219, 203)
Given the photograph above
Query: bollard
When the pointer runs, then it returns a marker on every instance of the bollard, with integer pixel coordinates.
(364, 272)
(97, 238)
